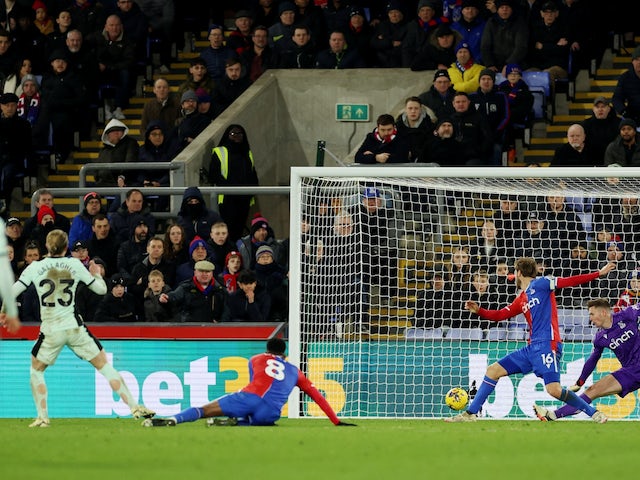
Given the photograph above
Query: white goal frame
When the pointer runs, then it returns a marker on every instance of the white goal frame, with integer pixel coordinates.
(413, 171)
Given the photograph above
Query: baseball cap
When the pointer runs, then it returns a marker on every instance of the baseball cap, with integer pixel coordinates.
(535, 216)
(13, 221)
(79, 245)
(8, 98)
(204, 266)
(600, 99)
(371, 192)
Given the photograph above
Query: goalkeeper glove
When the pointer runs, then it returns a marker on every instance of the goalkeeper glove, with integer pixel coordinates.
(576, 387)
(345, 424)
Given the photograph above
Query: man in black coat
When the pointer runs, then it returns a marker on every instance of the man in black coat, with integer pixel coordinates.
(383, 145)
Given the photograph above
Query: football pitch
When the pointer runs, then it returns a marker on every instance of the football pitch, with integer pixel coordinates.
(306, 449)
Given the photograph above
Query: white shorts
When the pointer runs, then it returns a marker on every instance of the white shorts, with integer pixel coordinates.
(79, 340)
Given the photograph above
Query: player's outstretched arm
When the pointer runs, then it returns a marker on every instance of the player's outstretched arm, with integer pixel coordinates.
(609, 267)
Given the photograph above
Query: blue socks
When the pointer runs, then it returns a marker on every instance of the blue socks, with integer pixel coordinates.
(189, 415)
(487, 386)
(570, 398)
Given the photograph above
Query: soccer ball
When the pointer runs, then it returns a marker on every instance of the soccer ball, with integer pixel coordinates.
(456, 398)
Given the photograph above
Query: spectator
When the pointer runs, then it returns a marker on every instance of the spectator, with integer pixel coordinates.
(493, 106)
(8, 55)
(240, 39)
(28, 40)
(601, 128)
(199, 299)
(63, 97)
(566, 227)
(103, 243)
(197, 251)
(273, 278)
(488, 249)
(128, 216)
(434, 303)
(622, 216)
(191, 122)
(80, 250)
(440, 51)
(13, 82)
(309, 14)
(81, 224)
(28, 301)
(420, 29)
(266, 13)
(624, 151)
(41, 197)
(442, 148)
(45, 224)
(232, 164)
(153, 261)
(464, 72)
(197, 78)
(383, 145)
(336, 13)
(472, 131)
(388, 37)
(219, 245)
(158, 147)
(301, 53)
(616, 281)
(205, 107)
(118, 304)
(549, 42)
(160, 17)
(87, 16)
(134, 26)
(249, 303)
(535, 240)
(15, 146)
(359, 35)
(15, 237)
(459, 268)
(339, 55)
(470, 26)
(280, 32)
(576, 152)
(176, 248)
(87, 301)
(116, 58)
(631, 294)
(216, 54)
(259, 57)
(626, 96)
(505, 38)
(29, 108)
(439, 98)
(154, 311)
(229, 275)
(118, 147)
(416, 125)
(230, 86)
(133, 250)
(479, 289)
(163, 107)
(520, 101)
(576, 263)
(194, 216)
(260, 234)
(56, 39)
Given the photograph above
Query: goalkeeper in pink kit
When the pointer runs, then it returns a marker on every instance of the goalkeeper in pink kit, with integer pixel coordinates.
(260, 402)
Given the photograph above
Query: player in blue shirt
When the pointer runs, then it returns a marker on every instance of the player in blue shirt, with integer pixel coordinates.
(260, 402)
(619, 333)
(542, 355)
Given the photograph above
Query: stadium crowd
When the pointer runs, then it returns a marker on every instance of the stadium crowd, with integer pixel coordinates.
(57, 57)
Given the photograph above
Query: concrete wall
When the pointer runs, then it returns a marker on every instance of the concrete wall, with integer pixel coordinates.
(286, 112)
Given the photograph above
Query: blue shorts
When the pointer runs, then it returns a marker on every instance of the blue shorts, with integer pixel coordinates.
(628, 378)
(537, 358)
(250, 407)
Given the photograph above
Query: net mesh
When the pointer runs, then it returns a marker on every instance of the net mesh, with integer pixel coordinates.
(386, 265)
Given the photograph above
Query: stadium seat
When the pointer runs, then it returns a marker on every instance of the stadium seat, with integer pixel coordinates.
(580, 333)
(517, 334)
(570, 317)
(540, 86)
(419, 333)
(465, 334)
(497, 333)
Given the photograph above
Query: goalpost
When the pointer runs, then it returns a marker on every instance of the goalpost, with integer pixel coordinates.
(383, 258)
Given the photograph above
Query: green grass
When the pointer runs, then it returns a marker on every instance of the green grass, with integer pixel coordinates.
(315, 449)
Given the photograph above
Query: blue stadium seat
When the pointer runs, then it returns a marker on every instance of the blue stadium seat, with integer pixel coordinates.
(419, 333)
(580, 333)
(465, 334)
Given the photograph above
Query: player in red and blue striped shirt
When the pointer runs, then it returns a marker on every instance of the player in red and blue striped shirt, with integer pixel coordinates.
(544, 350)
(272, 379)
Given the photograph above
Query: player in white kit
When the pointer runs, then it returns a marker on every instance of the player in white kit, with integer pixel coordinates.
(56, 278)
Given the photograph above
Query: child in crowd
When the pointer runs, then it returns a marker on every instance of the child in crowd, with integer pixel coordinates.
(43, 21)
(229, 276)
(219, 245)
(80, 250)
(154, 311)
(630, 294)
(117, 305)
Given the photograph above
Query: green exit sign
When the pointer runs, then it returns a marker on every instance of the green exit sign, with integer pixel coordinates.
(352, 112)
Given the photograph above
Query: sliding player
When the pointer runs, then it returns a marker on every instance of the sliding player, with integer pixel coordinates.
(619, 333)
(9, 316)
(272, 379)
(56, 278)
(543, 353)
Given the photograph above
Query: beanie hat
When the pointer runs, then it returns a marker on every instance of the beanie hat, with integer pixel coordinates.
(441, 73)
(444, 120)
(195, 243)
(45, 210)
(627, 122)
(90, 196)
(39, 4)
(512, 68)
(203, 95)
(29, 78)
(394, 5)
(233, 253)
(264, 249)
(286, 7)
(489, 72)
(462, 45)
(258, 222)
(614, 244)
(188, 95)
(118, 279)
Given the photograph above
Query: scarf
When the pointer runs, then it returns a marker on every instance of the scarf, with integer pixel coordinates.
(464, 67)
(203, 290)
(388, 138)
(230, 282)
(29, 112)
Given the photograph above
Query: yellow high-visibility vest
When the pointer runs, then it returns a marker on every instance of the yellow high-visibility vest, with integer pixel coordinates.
(223, 155)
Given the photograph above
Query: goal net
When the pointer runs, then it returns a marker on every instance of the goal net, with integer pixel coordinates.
(383, 260)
